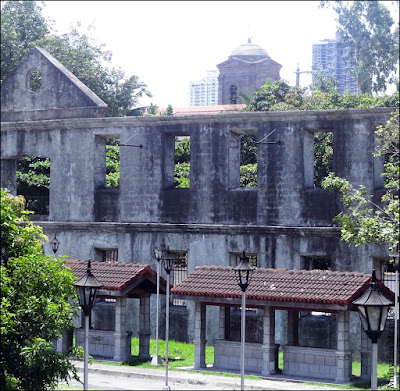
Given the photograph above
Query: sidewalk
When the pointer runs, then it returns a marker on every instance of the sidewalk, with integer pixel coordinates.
(183, 377)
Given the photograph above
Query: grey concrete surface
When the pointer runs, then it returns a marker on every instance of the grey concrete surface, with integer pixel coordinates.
(102, 376)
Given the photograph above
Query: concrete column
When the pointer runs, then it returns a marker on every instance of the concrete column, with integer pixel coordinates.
(293, 328)
(120, 334)
(200, 336)
(9, 175)
(221, 332)
(144, 327)
(269, 347)
(366, 355)
(343, 353)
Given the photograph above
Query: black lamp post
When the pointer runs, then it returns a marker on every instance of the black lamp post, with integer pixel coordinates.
(156, 360)
(373, 308)
(54, 244)
(168, 260)
(243, 272)
(87, 287)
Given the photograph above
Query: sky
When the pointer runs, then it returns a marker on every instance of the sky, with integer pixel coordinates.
(167, 44)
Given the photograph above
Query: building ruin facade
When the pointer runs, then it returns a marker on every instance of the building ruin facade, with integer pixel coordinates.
(285, 222)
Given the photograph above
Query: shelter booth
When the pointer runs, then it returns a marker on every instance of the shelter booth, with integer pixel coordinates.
(287, 290)
(120, 281)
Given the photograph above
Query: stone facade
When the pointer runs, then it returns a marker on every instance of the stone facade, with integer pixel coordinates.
(282, 220)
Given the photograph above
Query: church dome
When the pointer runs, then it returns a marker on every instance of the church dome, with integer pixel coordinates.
(249, 52)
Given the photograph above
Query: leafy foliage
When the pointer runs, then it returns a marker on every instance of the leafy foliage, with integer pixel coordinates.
(279, 96)
(22, 23)
(33, 182)
(182, 175)
(363, 221)
(34, 304)
(248, 175)
(23, 27)
(112, 163)
(370, 33)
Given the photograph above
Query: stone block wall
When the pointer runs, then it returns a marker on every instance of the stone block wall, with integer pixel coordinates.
(309, 362)
(102, 342)
(227, 355)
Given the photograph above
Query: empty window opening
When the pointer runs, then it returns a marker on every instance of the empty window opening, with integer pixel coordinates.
(109, 255)
(179, 272)
(33, 182)
(112, 162)
(248, 160)
(234, 258)
(386, 271)
(323, 153)
(182, 162)
(317, 157)
(315, 263)
(34, 80)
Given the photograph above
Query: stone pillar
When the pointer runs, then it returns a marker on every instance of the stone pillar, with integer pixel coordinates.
(200, 336)
(221, 332)
(343, 353)
(269, 347)
(144, 326)
(366, 355)
(9, 175)
(120, 334)
(293, 328)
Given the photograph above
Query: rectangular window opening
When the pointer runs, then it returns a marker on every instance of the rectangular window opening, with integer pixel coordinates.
(323, 153)
(109, 255)
(182, 162)
(234, 258)
(179, 273)
(315, 263)
(248, 160)
(33, 182)
(112, 162)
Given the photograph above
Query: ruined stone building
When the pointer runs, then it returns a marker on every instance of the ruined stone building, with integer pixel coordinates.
(245, 71)
(283, 223)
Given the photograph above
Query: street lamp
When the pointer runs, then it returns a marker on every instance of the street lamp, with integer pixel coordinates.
(169, 261)
(156, 360)
(243, 272)
(87, 287)
(373, 308)
(54, 244)
(395, 257)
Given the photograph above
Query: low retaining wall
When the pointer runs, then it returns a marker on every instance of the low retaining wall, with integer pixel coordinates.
(309, 362)
(227, 355)
(102, 343)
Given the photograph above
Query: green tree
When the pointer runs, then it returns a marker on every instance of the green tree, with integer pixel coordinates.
(23, 26)
(280, 96)
(372, 36)
(22, 23)
(364, 221)
(34, 304)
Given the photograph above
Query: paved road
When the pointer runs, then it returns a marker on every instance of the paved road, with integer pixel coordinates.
(100, 381)
(111, 377)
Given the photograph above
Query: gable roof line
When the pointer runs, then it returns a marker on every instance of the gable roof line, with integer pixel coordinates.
(86, 90)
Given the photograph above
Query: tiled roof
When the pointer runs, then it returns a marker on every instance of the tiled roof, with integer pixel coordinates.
(195, 110)
(273, 285)
(116, 276)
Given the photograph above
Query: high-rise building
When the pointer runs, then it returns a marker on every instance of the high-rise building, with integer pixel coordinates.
(205, 91)
(331, 59)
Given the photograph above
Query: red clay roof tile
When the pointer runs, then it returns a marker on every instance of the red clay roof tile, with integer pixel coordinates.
(315, 286)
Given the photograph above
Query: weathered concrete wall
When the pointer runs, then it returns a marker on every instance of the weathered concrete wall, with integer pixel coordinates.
(281, 220)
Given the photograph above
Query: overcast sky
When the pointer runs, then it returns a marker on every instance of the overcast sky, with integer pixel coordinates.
(170, 43)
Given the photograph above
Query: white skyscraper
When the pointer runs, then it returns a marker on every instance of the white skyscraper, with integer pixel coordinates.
(205, 91)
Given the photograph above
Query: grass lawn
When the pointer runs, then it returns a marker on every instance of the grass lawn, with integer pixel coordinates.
(182, 355)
